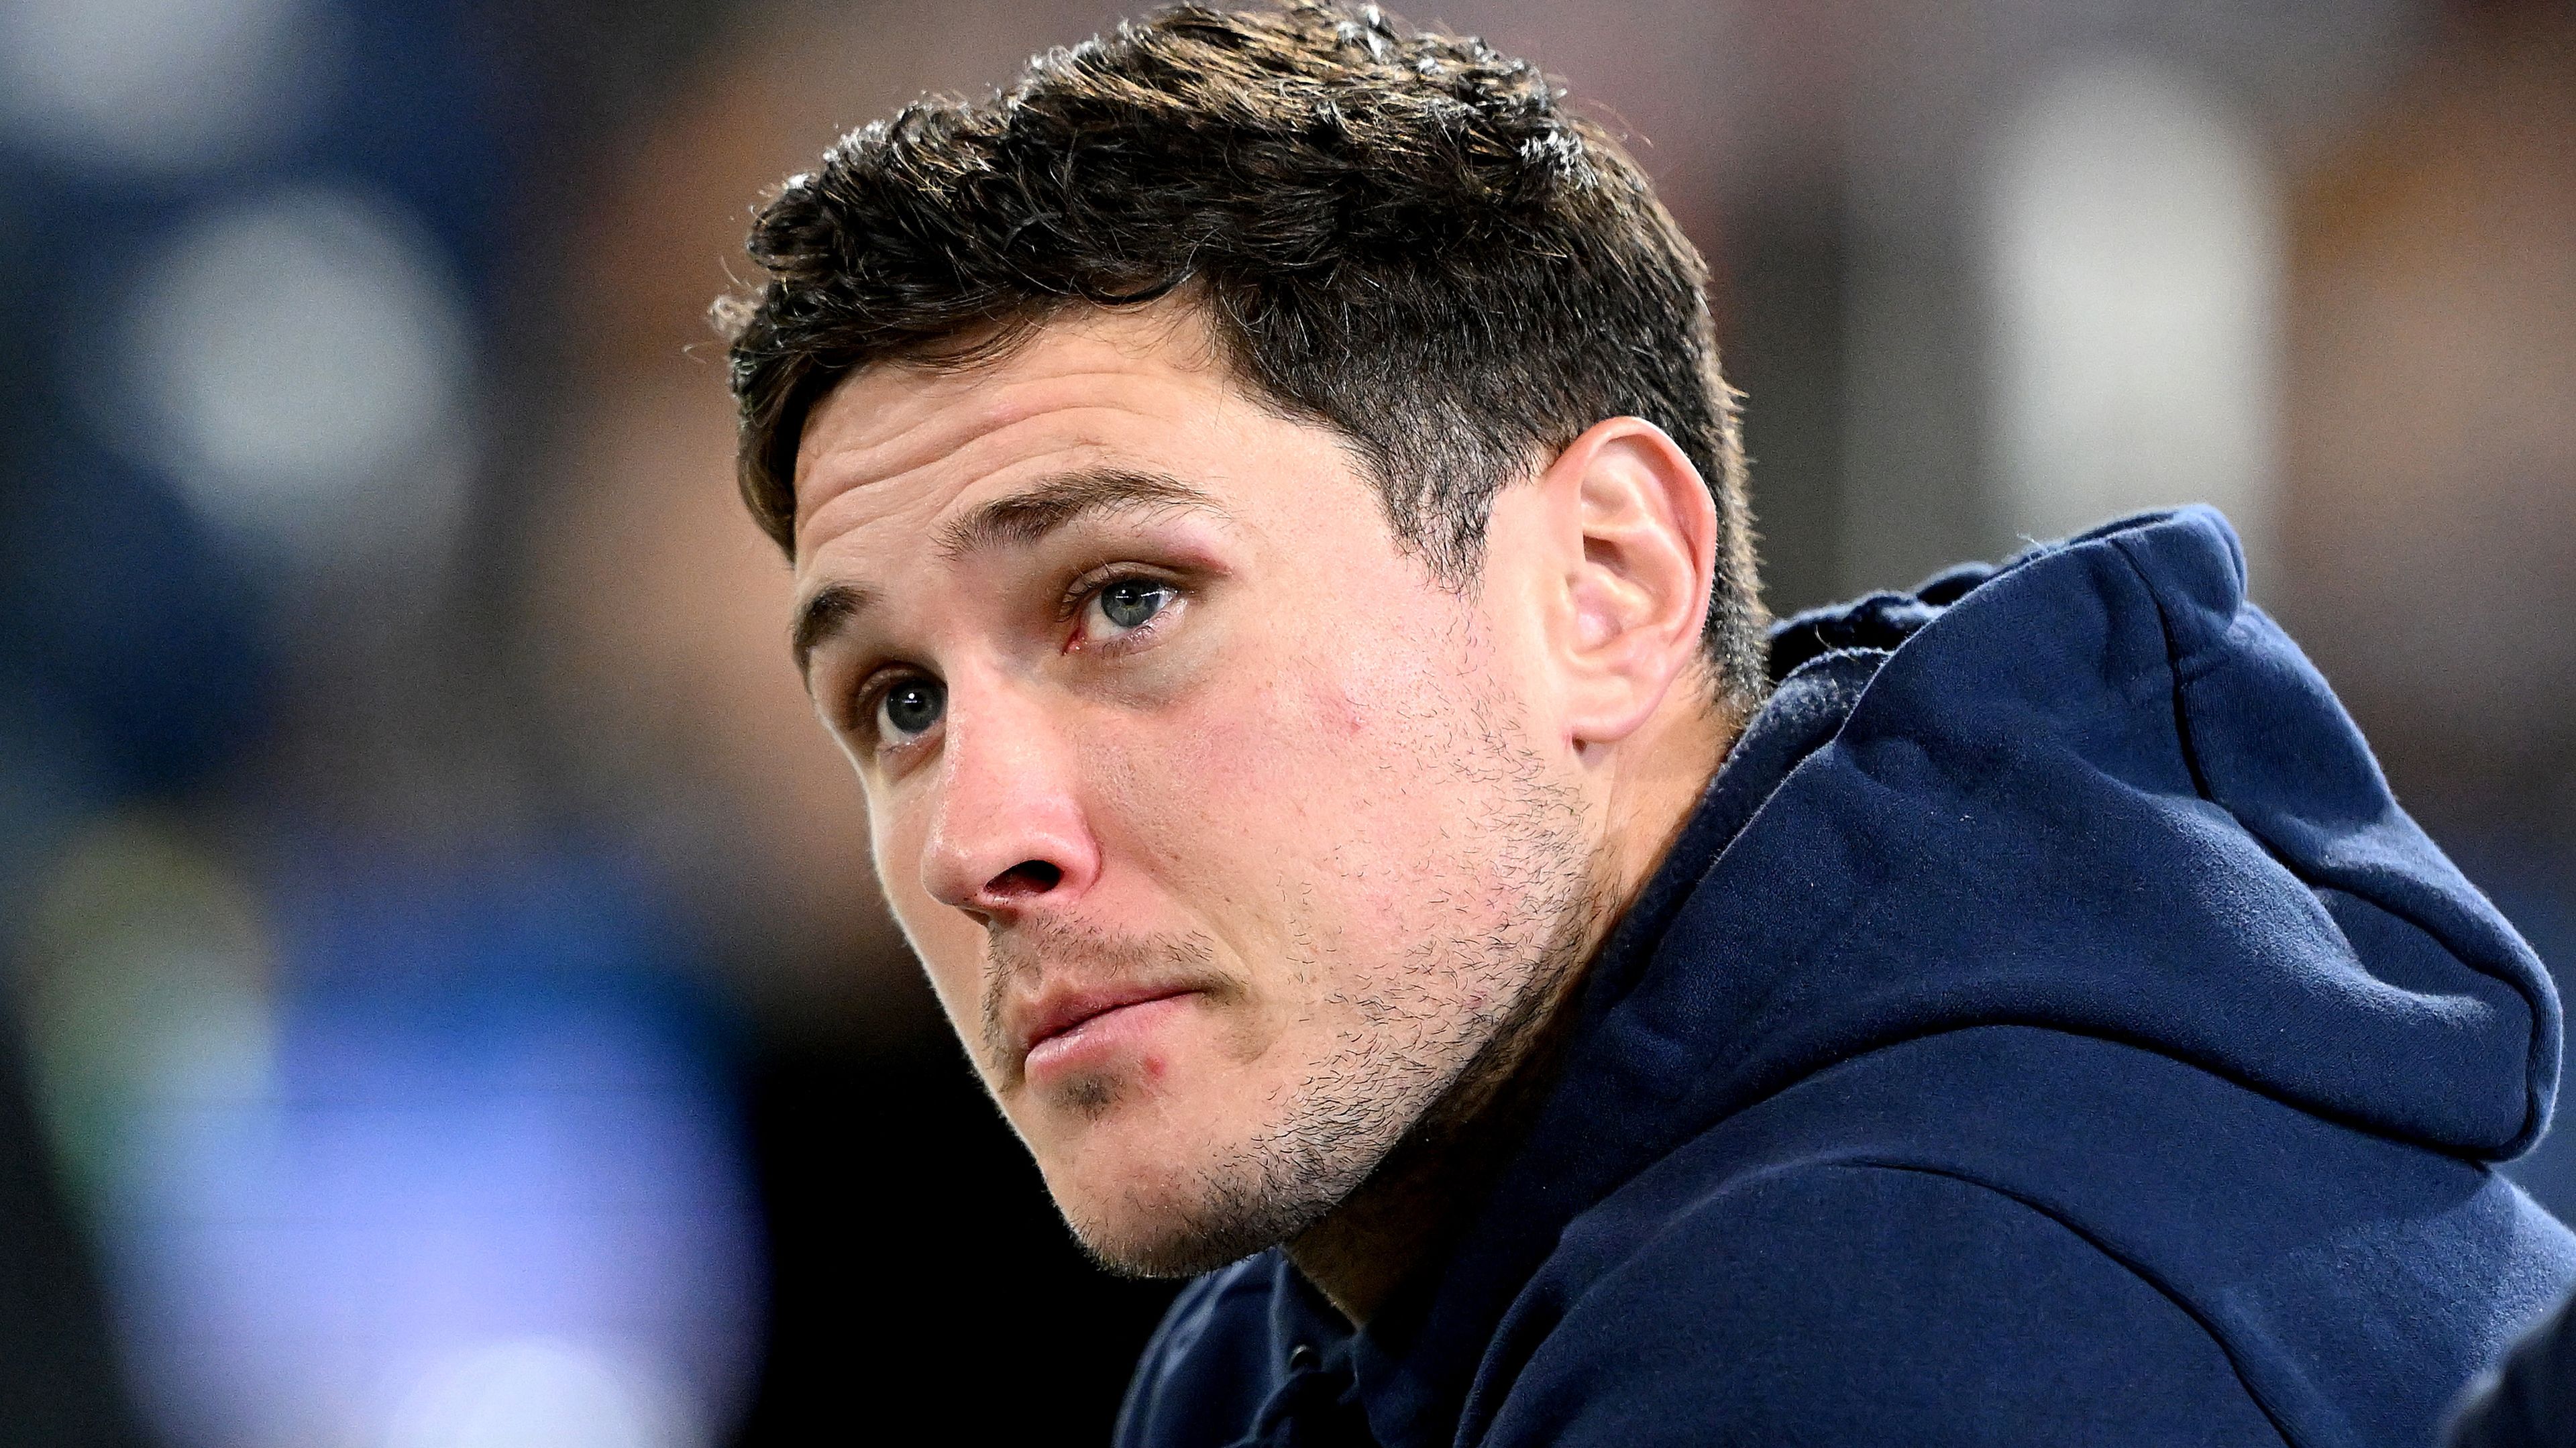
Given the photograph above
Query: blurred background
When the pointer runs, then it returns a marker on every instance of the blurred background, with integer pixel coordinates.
(448, 1004)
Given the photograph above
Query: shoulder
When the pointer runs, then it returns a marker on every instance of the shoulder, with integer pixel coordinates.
(1849, 1302)
(1207, 1369)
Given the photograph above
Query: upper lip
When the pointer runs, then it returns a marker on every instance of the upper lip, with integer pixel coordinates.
(1055, 1011)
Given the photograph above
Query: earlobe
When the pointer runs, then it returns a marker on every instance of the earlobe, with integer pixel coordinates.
(1636, 531)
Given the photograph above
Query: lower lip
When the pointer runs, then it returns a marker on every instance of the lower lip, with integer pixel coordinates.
(1090, 1045)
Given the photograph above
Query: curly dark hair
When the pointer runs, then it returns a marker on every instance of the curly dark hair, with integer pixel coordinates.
(1404, 236)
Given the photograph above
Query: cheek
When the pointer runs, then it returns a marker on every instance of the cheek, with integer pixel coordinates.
(1231, 777)
(950, 945)
(1295, 788)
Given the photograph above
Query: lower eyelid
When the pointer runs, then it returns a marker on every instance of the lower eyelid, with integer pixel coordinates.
(884, 742)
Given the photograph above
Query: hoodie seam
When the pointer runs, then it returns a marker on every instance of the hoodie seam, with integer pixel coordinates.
(2186, 671)
(2213, 1067)
(2180, 677)
(2118, 1258)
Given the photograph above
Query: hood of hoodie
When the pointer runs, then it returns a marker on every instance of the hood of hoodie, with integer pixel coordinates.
(2094, 789)
(2098, 789)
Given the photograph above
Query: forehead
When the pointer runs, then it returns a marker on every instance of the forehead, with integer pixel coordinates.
(899, 445)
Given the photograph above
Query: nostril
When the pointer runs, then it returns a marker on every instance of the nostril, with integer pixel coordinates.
(1028, 877)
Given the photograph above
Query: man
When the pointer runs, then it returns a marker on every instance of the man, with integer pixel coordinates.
(1271, 537)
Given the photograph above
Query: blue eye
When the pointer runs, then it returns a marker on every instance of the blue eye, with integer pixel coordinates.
(1129, 602)
(907, 710)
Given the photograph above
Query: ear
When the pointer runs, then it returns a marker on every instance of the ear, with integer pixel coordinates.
(1625, 538)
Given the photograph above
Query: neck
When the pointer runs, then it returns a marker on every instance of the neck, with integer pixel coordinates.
(1412, 1207)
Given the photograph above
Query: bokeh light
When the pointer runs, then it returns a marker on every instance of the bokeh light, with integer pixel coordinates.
(160, 85)
(296, 362)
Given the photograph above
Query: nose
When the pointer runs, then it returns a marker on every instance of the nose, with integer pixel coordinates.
(1007, 827)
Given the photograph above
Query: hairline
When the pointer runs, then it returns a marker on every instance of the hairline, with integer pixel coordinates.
(1422, 478)
(992, 342)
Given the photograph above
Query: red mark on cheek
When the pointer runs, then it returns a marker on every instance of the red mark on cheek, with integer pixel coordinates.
(1335, 709)
(1154, 1068)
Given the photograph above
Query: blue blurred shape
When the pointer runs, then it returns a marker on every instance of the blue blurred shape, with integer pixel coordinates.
(494, 1184)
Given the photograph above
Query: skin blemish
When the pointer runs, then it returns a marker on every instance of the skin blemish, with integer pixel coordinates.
(1338, 709)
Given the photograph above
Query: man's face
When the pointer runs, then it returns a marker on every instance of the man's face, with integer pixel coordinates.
(1227, 834)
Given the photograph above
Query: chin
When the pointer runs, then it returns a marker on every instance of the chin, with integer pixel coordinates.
(1159, 1208)
(1143, 1237)
(1122, 1191)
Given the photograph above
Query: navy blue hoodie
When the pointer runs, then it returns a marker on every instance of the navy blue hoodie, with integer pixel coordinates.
(2047, 1029)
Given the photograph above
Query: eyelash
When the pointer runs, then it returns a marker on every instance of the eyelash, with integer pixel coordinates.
(862, 716)
(1078, 595)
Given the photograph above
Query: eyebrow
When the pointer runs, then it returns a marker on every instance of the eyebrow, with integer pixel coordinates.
(827, 613)
(1018, 520)
(1031, 514)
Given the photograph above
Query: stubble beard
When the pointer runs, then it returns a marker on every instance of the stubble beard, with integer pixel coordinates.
(1433, 1042)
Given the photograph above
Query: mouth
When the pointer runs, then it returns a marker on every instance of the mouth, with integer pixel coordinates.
(1058, 1026)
